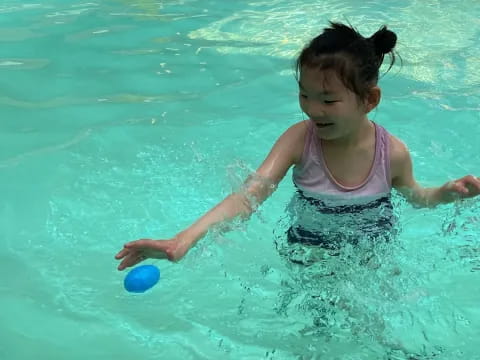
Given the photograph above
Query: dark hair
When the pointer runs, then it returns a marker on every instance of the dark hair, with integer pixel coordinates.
(355, 59)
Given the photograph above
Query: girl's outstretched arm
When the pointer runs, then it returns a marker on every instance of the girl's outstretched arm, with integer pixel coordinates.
(286, 152)
(403, 180)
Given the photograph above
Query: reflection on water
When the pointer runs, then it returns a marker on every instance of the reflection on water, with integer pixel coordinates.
(435, 56)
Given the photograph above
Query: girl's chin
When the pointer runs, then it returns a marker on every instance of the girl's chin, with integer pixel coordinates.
(326, 132)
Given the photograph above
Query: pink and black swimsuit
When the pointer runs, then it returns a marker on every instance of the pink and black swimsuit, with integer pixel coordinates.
(325, 212)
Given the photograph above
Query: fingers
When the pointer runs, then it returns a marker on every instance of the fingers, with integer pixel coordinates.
(474, 182)
(121, 254)
(469, 185)
(134, 252)
(460, 188)
(131, 260)
(137, 244)
(466, 187)
(124, 264)
(139, 250)
(128, 247)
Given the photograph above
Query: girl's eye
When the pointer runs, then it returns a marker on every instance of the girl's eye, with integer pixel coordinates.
(330, 101)
(303, 96)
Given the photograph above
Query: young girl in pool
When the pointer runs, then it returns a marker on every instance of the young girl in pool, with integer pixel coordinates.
(343, 162)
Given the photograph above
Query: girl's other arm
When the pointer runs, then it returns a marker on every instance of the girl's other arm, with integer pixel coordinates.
(403, 180)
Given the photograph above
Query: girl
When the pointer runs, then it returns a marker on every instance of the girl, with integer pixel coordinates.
(343, 162)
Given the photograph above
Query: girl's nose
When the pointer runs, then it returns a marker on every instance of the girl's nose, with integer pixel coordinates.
(314, 109)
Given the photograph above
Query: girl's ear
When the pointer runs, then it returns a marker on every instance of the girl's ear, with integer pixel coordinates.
(372, 99)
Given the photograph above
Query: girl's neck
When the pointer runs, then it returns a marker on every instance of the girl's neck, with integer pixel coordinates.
(353, 139)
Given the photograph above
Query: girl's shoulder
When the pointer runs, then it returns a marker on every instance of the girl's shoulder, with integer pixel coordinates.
(287, 151)
(295, 136)
(399, 155)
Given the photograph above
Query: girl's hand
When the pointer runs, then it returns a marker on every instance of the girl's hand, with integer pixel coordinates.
(136, 251)
(466, 187)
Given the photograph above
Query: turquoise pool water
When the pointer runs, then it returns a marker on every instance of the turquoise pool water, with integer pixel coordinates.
(129, 119)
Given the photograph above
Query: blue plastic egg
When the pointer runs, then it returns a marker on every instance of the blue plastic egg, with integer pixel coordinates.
(141, 278)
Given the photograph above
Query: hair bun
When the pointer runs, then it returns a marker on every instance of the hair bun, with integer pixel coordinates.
(384, 40)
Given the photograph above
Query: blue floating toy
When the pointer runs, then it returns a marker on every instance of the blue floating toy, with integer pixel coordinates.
(141, 278)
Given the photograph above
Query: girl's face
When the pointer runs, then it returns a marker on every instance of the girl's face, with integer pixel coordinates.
(335, 110)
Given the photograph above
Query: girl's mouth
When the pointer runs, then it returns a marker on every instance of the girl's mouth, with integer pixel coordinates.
(324, 125)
